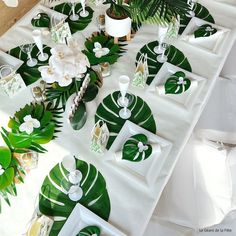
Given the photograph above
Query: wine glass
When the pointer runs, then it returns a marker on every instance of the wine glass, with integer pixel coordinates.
(83, 13)
(124, 82)
(125, 113)
(163, 58)
(27, 48)
(37, 36)
(5, 70)
(162, 31)
(74, 16)
(191, 3)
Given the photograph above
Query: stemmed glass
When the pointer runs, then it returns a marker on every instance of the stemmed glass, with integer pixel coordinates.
(124, 82)
(162, 31)
(191, 3)
(71, 185)
(125, 113)
(27, 48)
(37, 36)
(163, 58)
(83, 13)
(74, 16)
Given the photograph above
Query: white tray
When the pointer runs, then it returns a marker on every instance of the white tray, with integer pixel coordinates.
(6, 59)
(144, 172)
(185, 100)
(212, 44)
(81, 217)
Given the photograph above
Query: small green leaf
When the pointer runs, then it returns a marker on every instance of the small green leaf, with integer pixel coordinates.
(44, 135)
(5, 157)
(6, 178)
(19, 140)
(78, 120)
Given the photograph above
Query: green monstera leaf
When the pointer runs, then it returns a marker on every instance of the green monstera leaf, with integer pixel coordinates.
(41, 20)
(82, 22)
(136, 148)
(200, 12)
(204, 31)
(53, 202)
(6, 171)
(177, 83)
(101, 48)
(30, 74)
(89, 231)
(46, 116)
(108, 111)
(174, 56)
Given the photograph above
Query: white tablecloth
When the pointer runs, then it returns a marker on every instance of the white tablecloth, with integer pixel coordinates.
(131, 205)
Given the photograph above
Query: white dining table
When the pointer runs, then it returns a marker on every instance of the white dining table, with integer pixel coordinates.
(132, 204)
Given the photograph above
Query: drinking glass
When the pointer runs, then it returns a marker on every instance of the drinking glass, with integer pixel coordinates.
(162, 31)
(83, 13)
(27, 48)
(163, 58)
(37, 36)
(5, 70)
(74, 16)
(124, 82)
(125, 113)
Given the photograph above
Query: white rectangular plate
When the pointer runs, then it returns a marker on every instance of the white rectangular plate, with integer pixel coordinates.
(6, 59)
(144, 172)
(81, 217)
(184, 100)
(212, 44)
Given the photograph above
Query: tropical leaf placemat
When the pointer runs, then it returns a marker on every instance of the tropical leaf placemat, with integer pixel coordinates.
(200, 12)
(108, 111)
(53, 202)
(29, 74)
(82, 22)
(174, 55)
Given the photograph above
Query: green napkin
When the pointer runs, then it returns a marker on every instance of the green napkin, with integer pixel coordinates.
(177, 83)
(136, 148)
(204, 31)
(41, 20)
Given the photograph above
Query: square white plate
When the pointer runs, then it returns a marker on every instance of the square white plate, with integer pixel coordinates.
(212, 44)
(81, 217)
(6, 59)
(184, 100)
(144, 172)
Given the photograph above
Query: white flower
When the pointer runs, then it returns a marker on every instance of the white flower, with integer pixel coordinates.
(75, 193)
(142, 147)
(48, 74)
(181, 81)
(61, 51)
(1, 170)
(29, 124)
(99, 51)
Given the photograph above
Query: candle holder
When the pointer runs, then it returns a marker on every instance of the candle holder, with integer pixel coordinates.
(101, 22)
(105, 69)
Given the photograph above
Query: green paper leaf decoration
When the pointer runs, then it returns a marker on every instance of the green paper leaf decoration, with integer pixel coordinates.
(5, 157)
(200, 12)
(6, 178)
(136, 148)
(82, 22)
(108, 111)
(47, 115)
(41, 20)
(89, 231)
(115, 50)
(174, 55)
(204, 31)
(177, 83)
(53, 202)
(78, 120)
(30, 74)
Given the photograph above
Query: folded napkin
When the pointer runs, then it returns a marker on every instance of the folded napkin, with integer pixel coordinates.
(137, 148)
(204, 31)
(41, 20)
